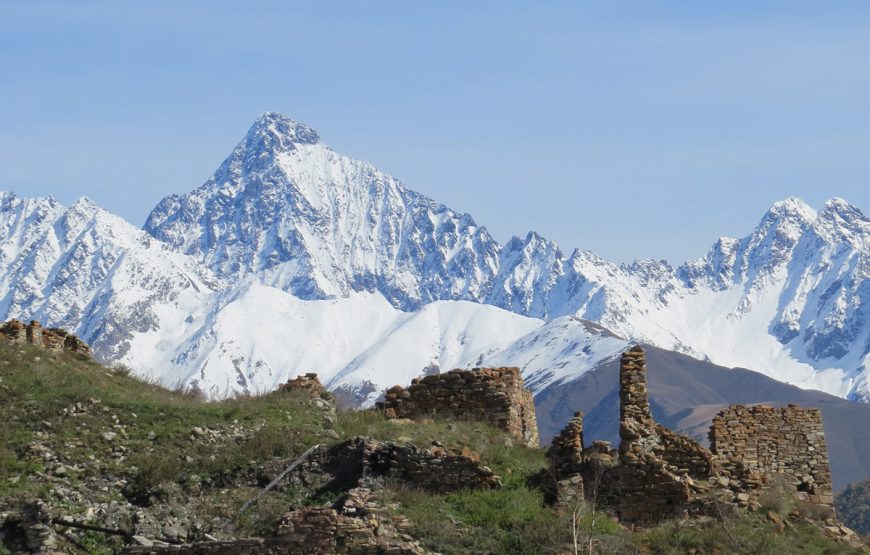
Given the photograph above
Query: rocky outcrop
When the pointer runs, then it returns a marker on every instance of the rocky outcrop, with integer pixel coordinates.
(54, 339)
(493, 395)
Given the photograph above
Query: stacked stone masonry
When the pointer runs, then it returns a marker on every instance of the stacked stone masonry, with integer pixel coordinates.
(308, 531)
(786, 445)
(493, 395)
(435, 469)
(637, 429)
(356, 524)
(658, 474)
(309, 383)
(566, 456)
(54, 339)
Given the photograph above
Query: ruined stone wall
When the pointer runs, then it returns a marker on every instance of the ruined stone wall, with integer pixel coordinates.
(357, 524)
(658, 473)
(439, 469)
(435, 468)
(654, 478)
(308, 531)
(566, 450)
(684, 455)
(786, 445)
(493, 395)
(637, 429)
(566, 462)
(54, 339)
(309, 383)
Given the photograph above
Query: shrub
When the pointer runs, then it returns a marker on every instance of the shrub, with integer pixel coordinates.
(776, 499)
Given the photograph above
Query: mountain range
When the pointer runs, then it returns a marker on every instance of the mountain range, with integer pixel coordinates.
(293, 258)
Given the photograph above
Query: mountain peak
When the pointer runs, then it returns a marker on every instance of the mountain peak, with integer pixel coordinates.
(845, 222)
(273, 128)
(843, 209)
(85, 203)
(792, 207)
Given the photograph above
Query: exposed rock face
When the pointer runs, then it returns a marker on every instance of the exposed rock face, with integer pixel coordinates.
(494, 395)
(54, 339)
(787, 443)
(658, 474)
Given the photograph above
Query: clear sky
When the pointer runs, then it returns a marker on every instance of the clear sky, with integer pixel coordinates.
(636, 129)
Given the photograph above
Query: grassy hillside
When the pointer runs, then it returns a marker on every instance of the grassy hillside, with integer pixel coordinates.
(106, 450)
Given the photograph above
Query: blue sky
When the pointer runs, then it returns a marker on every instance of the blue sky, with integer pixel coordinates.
(635, 129)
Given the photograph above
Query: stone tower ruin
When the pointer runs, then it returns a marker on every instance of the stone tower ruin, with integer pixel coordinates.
(657, 473)
(497, 396)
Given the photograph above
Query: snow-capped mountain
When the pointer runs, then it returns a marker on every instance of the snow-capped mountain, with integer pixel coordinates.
(93, 273)
(361, 345)
(319, 225)
(789, 300)
(164, 314)
(293, 258)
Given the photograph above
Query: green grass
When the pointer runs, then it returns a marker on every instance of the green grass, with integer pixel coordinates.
(751, 534)
(509, 520)
(161, 455)
(158, 461)
(512, 462)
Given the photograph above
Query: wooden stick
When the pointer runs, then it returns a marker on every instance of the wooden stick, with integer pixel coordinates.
(92, 528)
(272, 484)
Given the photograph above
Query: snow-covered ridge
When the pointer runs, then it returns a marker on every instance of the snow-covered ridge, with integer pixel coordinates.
(286, 227)
(164, 314)
(93, 273)
(788, 300)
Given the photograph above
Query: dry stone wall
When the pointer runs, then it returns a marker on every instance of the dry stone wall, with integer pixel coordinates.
(308, 383)
(566, 451)
(308, 531)
(494, 395)
(54, 339)
(637, 429)
(435, 468)
(566, 458)
(786, 445)
(357, 524)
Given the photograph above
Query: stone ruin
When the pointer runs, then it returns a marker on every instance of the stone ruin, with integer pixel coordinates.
(496, 396)
(308, 383)
(355, 527)
(53, 339)
(787, 443)
(345, 530)
(435, 469)
(356, 524)
(657, 474)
